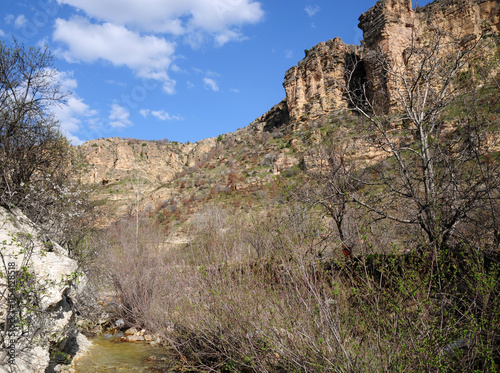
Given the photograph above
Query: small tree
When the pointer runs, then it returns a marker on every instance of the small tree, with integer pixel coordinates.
(31, 146)
(329, 185)
(434, 132)
(36, 161)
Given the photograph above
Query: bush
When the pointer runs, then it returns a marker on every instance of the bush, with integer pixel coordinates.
(274, 293)
(36, 161)
(131, 260)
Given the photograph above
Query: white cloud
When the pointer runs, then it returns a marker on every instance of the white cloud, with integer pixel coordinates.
(66, 80)
(9, 18)
(311, 10)
(119, 116)
(288, 53)
(20, 21)
(113, 82)
(74, 139)
(210, 84)
(227, 36)
(163, 115)
(70, 115)
(148, 56)
(75, 111)
(176, 68)
(159, 114)
(176, 17)
(208, 74)
(2, 33)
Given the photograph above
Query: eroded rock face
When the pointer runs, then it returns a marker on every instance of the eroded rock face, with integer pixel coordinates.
(275, 118)
(387, 25)
(53, 270)
(316, 85)
(316, 89)
(392, 26)
(114, 159)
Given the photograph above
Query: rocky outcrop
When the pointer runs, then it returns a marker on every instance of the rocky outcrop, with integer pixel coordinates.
(392, 26)
(317, 84)
(48, 284)
(277, 117)
(387, 25)
(114, 159)
(159, 173)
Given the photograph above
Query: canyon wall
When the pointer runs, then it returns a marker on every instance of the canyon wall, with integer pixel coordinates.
(114, 159)
(317, 85)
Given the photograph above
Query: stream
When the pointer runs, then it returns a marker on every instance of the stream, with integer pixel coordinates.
(109, 355)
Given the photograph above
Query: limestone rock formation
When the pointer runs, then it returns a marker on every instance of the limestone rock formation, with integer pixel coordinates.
(275, 118)
(315, 91)
(114, 159)
(392, 26)
(54, 285)
(316, 85)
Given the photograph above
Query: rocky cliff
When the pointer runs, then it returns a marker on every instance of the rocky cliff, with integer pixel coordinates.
(316, 86)
(315, 93)
(42, 290)
(393, 26)
(113, 159)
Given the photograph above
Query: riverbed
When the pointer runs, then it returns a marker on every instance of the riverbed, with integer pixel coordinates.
(108, 355)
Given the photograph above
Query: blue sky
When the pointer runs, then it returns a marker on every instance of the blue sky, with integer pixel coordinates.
(178, 69)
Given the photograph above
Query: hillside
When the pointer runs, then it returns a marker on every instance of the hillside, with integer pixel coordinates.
(277, 143)
(352, 228)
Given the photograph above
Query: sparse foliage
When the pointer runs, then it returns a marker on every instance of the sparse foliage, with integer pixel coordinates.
(329, 185)
(35, 159)
(434, 132)
(30, 142)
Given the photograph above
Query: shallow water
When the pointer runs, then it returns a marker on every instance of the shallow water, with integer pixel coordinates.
(108, 355)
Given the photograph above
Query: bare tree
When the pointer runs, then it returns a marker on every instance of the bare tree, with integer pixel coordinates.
(30, 142)
(36, 161)
(329, 185)
(433, 132)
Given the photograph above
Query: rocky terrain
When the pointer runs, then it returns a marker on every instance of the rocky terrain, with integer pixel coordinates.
(53, 331)
(245, 171)
(163, 174)
(257, 173)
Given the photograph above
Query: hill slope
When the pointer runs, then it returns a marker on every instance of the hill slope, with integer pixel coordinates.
(316, 104)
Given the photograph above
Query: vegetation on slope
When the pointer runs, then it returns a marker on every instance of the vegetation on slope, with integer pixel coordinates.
(388, 263)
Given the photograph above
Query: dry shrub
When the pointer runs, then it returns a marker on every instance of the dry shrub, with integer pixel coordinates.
(217, 238)
(225, 308)
(379, 315)
(131, 257)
